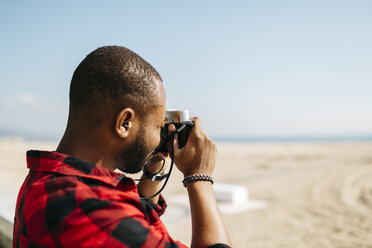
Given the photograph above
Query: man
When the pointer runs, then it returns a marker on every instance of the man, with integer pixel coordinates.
(73, 198)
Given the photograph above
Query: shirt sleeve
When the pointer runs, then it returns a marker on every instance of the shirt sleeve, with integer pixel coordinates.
(160, 207)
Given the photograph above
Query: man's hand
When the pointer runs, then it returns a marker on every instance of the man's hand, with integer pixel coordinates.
(155, 163)
(198, 156)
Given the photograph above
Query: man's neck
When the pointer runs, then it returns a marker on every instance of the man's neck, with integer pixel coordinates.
(85, 148)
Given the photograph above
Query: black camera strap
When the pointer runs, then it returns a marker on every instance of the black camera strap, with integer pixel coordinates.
(171, 135)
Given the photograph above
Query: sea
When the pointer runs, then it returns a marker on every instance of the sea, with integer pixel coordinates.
(325, 138)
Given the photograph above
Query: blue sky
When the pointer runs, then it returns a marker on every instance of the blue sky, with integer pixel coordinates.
(248, 68)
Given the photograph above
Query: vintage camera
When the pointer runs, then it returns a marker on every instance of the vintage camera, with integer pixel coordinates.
(178, 118)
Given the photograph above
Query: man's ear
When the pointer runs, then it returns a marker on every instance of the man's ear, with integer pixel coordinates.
(124, 122)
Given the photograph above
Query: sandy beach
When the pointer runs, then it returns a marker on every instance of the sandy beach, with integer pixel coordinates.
(316, 194)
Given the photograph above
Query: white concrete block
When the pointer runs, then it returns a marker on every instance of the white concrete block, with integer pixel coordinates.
(230, 193)
(8, 201)
(232, 209)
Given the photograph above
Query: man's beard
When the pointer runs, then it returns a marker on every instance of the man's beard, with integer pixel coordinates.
(133, 159)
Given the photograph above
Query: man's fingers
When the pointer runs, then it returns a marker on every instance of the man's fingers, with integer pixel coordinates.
(158, 157)
(171, 128)
(196, 120)
(197, 123)
(199, 153)
(197, 130)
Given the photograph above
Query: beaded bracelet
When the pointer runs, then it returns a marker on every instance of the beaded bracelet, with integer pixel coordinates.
(196, 177)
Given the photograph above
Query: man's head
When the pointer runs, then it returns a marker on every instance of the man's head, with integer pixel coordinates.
(118, 97)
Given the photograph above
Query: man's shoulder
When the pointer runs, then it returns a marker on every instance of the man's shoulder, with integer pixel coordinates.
(57, 196)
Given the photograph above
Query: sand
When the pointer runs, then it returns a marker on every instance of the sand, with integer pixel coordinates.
(316, 194)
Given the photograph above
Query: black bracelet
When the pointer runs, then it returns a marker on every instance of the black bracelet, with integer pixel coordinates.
(196, 177)
(153, 177)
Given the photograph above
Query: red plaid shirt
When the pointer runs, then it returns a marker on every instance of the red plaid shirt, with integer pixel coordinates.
(67, 202)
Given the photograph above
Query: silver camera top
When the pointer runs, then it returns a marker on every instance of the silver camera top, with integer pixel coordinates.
(176, 115)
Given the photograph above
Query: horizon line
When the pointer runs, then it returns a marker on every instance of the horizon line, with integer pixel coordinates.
(232, 138)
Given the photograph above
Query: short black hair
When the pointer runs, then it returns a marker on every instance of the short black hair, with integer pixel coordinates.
(109, 79)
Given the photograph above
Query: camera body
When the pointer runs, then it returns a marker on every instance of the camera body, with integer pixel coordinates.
(178, 118)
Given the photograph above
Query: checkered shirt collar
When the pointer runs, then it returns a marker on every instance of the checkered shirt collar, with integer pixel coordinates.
(67, 165)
